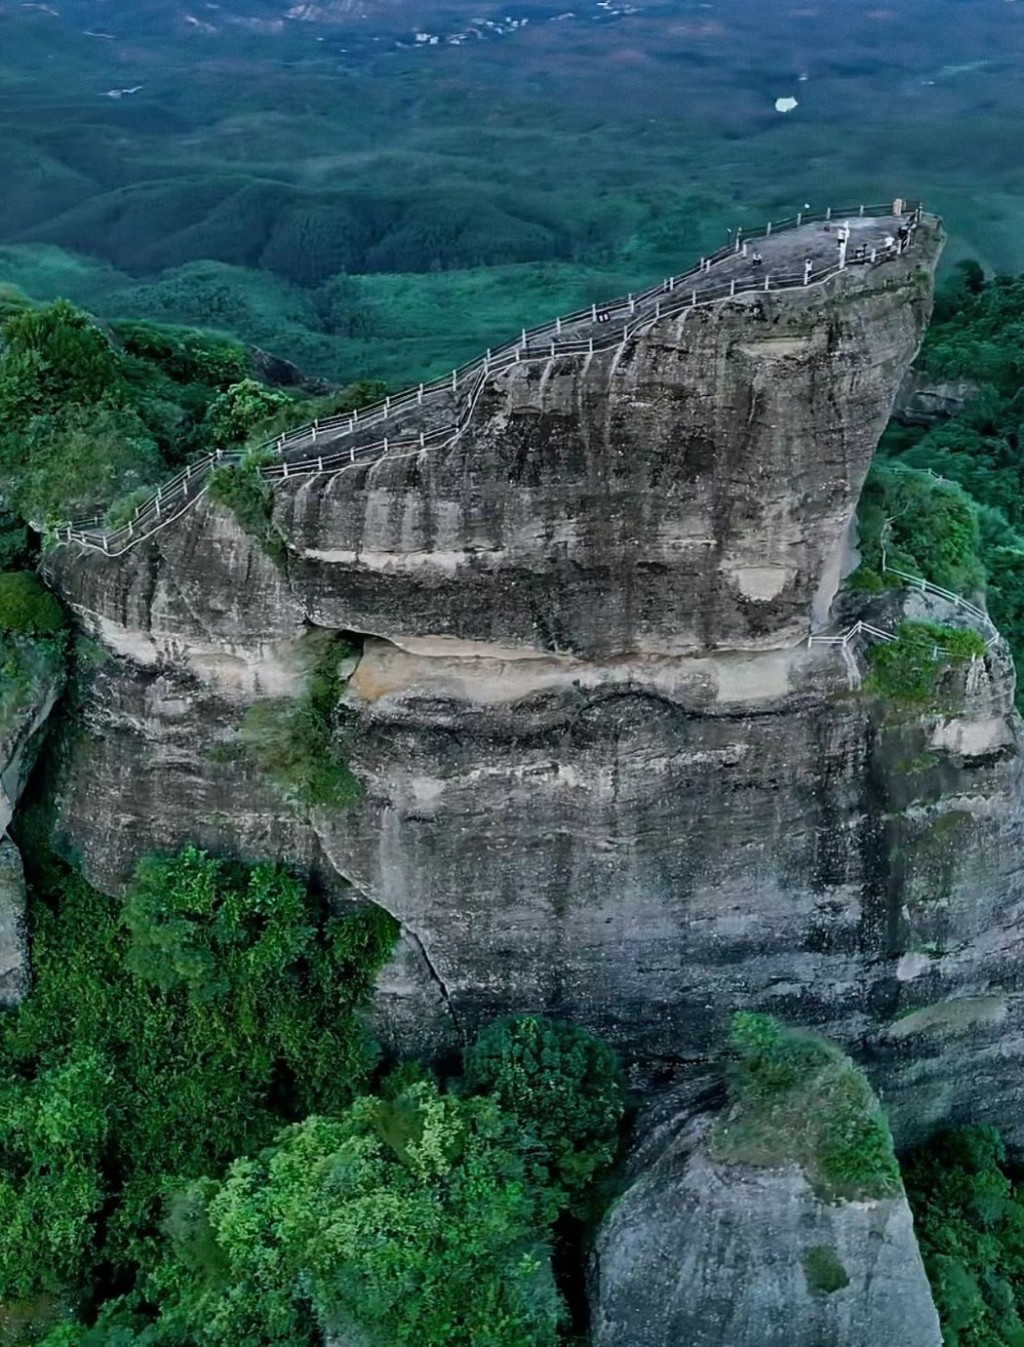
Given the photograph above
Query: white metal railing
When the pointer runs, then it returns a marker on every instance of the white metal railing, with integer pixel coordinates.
(978, 615)
(458, 392)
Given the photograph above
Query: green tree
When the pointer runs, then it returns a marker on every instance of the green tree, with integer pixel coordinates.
(415, 1220)
(220, 1000)
(969, 1222)
(233, 416)
(27, 608)
(563, 1085)
(55, 357)
(53, 1131)
(73, 461)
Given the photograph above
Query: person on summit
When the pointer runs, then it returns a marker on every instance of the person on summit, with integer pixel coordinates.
(843, 239)
(756, 259)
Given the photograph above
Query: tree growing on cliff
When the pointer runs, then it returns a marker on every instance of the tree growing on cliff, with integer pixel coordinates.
(564, 1085)
(234, 414)
(55, 357)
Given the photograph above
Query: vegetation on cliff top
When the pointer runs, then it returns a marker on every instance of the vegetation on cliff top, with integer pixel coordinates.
(910, 669)
(90, 416)
(797, 1099)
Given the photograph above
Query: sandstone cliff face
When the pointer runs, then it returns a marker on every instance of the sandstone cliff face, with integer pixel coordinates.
(689, 489)
(604, 776)
(711, 1254)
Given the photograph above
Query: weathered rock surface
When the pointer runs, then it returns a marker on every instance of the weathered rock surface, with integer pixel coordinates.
(689, 489)
(711, 1254)
(925, 401)
(14, 955)
(30, 682)
(604, 775)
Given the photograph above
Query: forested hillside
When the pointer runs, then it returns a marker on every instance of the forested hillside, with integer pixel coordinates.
(949, 500)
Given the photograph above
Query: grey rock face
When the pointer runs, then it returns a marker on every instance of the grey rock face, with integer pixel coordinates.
(690, 489)
(14, 959)
(923, 401)
(30, 683)
(709, 1254)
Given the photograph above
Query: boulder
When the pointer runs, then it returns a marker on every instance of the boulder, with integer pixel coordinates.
(700, 1252)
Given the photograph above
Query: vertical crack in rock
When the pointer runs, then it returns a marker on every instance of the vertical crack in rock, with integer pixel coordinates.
(438, 980)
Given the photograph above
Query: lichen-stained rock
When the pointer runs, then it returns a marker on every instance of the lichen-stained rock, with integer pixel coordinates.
(711, 1254)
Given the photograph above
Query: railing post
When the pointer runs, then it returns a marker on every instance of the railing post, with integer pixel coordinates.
(106, 543)
(419, 395)
(558, 327)
(768, 231)
(632, 304)
(861, 211)
(766, 280)
(320, 463)
(387, 407)
(385, 444)
(422, 440)
(552, 349)
(314, 432)
(828, 213)
(455, 381)
(693, 298)
(732, 288)
(593, 313)
(351, 453)
(355, 415)
(657, 308)
(284, 465)
(799, 218)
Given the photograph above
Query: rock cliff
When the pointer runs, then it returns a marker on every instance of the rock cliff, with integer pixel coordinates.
(713, 1254)
(605, 776)
(31, 679)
